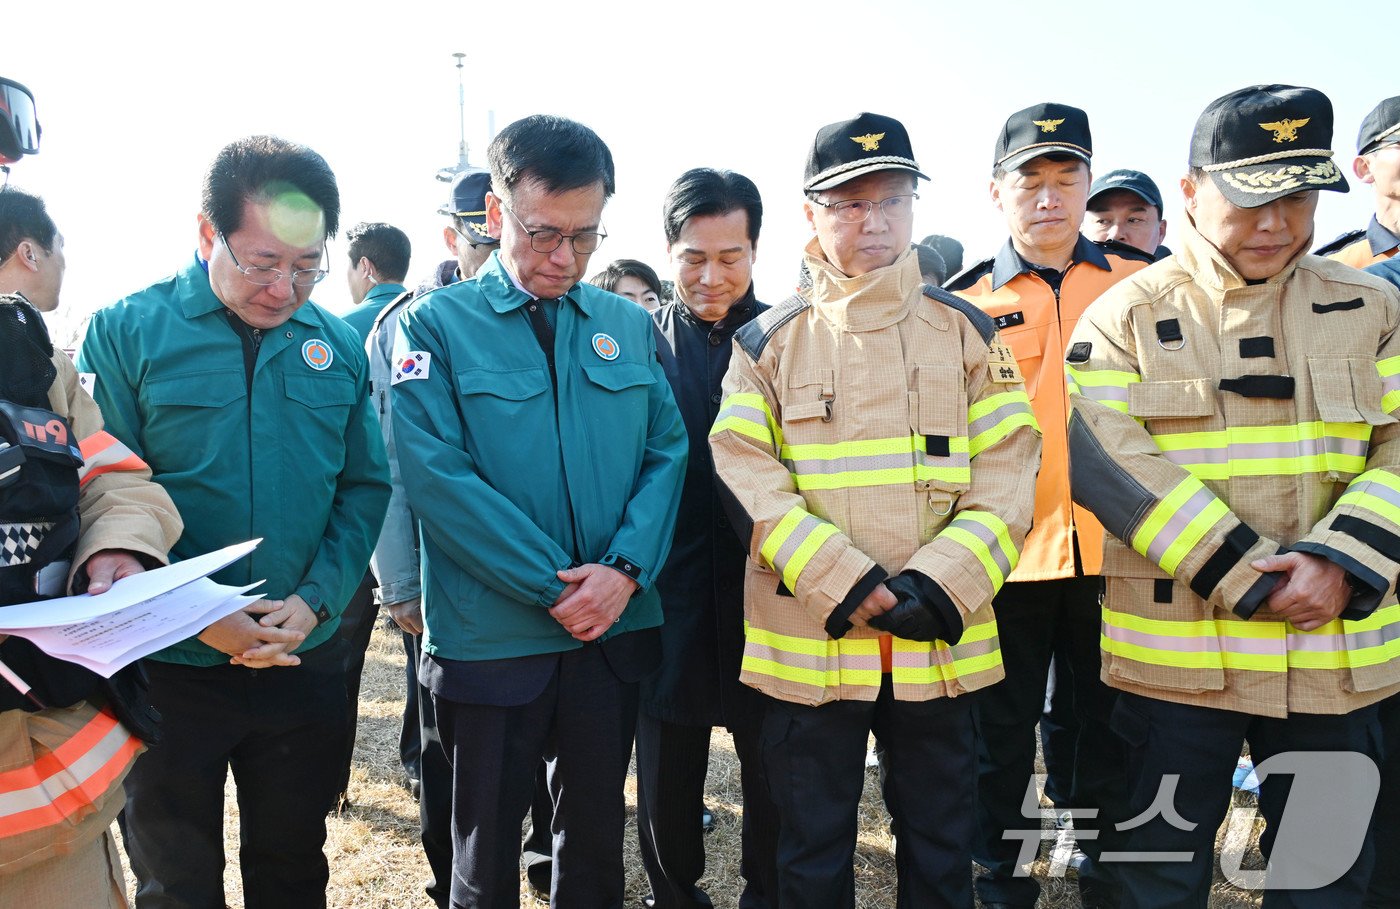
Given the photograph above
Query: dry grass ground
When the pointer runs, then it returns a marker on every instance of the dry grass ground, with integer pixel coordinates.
(377, 862)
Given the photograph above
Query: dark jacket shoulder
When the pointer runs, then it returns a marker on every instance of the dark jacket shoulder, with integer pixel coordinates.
(1340, 243)
(754, 336)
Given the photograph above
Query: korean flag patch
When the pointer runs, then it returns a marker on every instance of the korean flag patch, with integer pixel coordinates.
(411, 365)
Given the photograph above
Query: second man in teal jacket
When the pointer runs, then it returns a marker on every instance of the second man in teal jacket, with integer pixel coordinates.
(543, 454)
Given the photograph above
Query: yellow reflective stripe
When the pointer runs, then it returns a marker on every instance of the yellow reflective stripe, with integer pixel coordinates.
(1389, 369)
(1178, 522)
(737, 415)
(1201, 644)
(1358, 495)
(946, 670)
(1108, 387)
(901, 461)
(1018, 413)
(1243, 451)
(975, 531)
(821, 648)
(852, 479)
(1365, 642)
(780, 534)
(797, 525)
(898, 445)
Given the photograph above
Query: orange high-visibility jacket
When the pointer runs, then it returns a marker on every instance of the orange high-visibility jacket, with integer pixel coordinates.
(1036, 322)
(1362, 248)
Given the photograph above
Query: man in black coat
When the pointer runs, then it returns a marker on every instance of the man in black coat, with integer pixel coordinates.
(712, 220)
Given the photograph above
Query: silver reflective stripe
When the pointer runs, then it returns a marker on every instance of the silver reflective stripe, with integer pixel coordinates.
(795, 539)
(66, 779)
(1011, 408)
(1177, 523)
(1251, 451)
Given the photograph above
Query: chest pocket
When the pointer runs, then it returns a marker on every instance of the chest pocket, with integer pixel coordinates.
(619, 376)
(1165, 403)
(490, 398)
(808, 408)
(938, 424)
(1347, 390)
(325, 402)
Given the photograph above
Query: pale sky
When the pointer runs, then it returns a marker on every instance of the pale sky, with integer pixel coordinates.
(136, 98)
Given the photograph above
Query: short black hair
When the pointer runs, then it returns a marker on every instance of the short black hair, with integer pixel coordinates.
(24, 217)
(705, 191)
(261, 167)
(627, 268)
(384, 245)
(559, 153)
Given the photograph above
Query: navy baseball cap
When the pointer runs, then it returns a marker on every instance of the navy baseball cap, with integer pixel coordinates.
(468, 202)
(1044, 129)
(1380, 128)
(1265, 142)
(1134, 181)
(856, 147)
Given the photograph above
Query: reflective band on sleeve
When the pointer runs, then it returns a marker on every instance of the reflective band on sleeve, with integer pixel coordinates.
(1108, 387)
(988, 538)
(1261, 451)
(1178, 522)
(1389, 369)
(793, 542)
(103, 453)
(875, 462)
(1377, 491)
(66, 782)
(995, 417)
(748, 415)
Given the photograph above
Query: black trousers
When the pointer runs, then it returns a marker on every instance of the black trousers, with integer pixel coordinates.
(584, 722)
(815, 761)
(410, 731)
(672, 762)
(537, 849)
(1384, 889)
(1197, 747)
(434, 785)
(356, 627)
(1030, 617)
(281, 732)
(1059, 730)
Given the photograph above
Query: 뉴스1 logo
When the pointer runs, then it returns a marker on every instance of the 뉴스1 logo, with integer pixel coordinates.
(317, 354)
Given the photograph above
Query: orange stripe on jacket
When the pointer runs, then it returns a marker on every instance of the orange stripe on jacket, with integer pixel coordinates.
(104, 453)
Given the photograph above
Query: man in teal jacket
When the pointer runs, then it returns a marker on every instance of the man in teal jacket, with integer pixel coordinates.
(250, 405)
(543, 455)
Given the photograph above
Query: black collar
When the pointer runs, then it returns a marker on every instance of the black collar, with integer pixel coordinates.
(1380, 237)
(1009, 263)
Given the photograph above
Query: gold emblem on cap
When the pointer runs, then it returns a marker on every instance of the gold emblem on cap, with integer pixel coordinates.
(869, 141)
(1048, 126)
(1285, 130)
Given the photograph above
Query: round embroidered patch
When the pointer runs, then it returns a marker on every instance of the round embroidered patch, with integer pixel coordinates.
(317, 354)
(605, 347)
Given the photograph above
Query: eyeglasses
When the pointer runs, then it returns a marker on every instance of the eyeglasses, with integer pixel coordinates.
(895, 208)
(266, 277)
(548, 240)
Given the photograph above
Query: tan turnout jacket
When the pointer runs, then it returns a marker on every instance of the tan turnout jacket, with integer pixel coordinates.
(868, 424)
(1215, 422)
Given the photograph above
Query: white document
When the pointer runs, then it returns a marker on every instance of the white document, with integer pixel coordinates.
(138, 616)
(127, 592)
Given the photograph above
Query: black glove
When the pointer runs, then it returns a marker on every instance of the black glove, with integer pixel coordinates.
(923, 612)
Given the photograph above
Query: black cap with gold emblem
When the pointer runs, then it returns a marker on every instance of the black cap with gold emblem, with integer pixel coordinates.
(1044, 129)
(853, 148)
(1265, 142)
(1380, 128)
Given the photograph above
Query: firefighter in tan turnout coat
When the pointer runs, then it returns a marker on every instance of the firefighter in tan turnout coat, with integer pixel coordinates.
(880, 449)
(1234, 428)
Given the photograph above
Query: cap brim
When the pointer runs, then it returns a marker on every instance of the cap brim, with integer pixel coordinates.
(836, 176)
(1155, 203)
(1014, 162)
(1260, 184)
